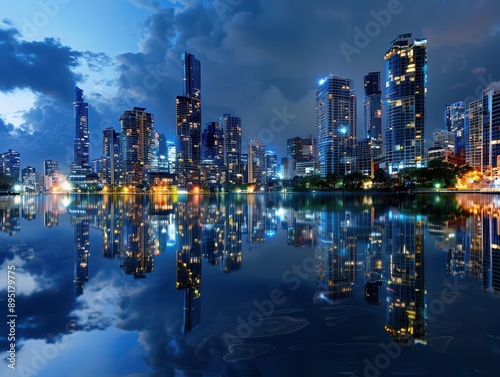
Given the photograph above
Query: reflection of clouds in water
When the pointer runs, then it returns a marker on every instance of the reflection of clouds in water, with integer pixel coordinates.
(238, 352)
(26, 283)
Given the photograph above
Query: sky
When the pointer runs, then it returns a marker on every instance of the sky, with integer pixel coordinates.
(261, 60)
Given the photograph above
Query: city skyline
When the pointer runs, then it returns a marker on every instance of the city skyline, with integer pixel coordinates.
(249, 68)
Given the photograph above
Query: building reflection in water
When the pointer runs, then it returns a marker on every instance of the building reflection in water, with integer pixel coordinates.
(406, 302)
(80, 212)
(335, 255)
(136, 247)
(189, 259)
(383, 243)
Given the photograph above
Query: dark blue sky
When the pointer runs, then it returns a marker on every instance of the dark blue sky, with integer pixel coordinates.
(260, 60)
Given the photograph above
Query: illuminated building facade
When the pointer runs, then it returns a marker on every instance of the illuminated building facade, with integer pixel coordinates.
(335, 125)
(406, 90)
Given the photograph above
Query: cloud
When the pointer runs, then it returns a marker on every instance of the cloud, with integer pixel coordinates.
(45, 67)
(97, 61)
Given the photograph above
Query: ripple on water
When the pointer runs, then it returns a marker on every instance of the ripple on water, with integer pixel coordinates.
(440, 344)
(238, 352)
(277, 326)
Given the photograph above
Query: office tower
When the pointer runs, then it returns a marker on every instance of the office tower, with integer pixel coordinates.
(192, 76)
(285, 168)
(29, 179)
(188, 131)
(51, 174)
(213, 144)
(257, 162)
(373, 107)
(444, 139)
(271, 166)
(232, 146)
(81, 144)
(111, 154)
(135, 143)
(406, 89)
(301, 156)
(454, 121)
(474, 134)
(491, 128)
(171, 156)
(10, 163)
(335, 124)
(406, 291)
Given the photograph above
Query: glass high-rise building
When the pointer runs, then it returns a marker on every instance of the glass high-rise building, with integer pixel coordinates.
(406, 89)
(335, 124)
(491, 107)
(373, 107)
(474, 135)
(188, 131)
(232, 147)
(135, 144)
(454, 121)
(10, 162)
(81, 144)
(257, 162)
(111, 153)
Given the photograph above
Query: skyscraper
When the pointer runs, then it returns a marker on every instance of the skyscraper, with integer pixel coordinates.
(474, 148)
(111, 153)
(406, 83)
(188, 131)
(335, 124)
(373, 107)
(232, 146)
(213, 144)
(454, 121)
(271, 165)
(491, 121)
(81, 143)
(257, 162)
(135, 143)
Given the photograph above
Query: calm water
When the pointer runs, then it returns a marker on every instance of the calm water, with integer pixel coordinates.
(296, 285)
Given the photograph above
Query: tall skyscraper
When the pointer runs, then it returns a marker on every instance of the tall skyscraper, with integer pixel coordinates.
(256, 162)
(335, 124)
(491, 121)
(135, 143)
(111, 153)
(192, 76)
(232, 146)
(188, 131)
(10, 163)
(474, 147)
(213, 144)
(271, 166)
(406, 90)
(301, 157)
(373, 107)
(454, 121)
(81, 143)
